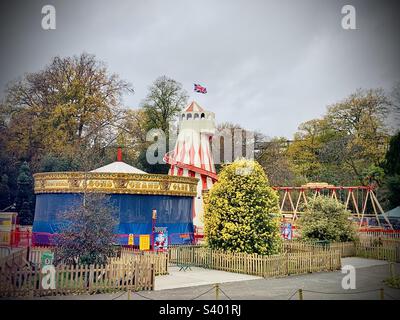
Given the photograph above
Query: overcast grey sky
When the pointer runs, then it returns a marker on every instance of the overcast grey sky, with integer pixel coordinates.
(267, 65)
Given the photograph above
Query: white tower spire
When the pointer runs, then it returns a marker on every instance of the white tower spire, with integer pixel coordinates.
(192, 155)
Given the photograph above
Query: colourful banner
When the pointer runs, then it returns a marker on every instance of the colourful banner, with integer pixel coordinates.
(160, 238)
(286, 231)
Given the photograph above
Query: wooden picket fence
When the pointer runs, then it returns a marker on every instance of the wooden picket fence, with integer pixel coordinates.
(20, 273)
(346, 249)
(15, 259)
(389, 253)
(365, 248)
(125, 255)
(379, 233)
(380, 241)
(160, 260)
(4, 251)
(78, 279)
(253, 264)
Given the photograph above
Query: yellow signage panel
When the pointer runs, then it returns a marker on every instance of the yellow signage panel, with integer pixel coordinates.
(144, 242)
(5, 238)
(130, 240)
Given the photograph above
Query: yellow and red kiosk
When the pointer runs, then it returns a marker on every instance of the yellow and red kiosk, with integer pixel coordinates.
(8, 225)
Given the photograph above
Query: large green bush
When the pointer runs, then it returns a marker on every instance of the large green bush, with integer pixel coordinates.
(241, 211)
(324, 218)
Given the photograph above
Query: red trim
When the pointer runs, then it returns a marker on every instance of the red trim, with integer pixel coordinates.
(210, 174)
(182, 165)
(119, 154)
(324, 188)
(180, 171)
(204, 182)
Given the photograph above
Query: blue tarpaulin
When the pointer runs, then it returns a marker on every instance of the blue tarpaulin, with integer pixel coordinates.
(133, 213)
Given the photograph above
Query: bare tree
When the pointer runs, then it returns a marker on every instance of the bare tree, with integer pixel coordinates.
(87, 235)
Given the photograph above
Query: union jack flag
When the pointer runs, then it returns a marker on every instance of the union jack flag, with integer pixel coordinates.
(199, 88)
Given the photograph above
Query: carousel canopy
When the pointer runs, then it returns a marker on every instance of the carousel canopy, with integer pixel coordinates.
(119, 167)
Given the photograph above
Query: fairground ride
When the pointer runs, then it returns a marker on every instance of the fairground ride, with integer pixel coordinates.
(361, 201)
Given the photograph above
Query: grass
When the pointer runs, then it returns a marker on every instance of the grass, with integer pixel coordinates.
(393, 282)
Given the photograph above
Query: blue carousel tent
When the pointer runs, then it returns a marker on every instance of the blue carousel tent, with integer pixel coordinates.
(132, 192)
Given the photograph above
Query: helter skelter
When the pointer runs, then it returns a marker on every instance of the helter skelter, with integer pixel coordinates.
(192, 155)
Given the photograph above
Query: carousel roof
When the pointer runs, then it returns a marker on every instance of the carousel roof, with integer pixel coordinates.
(119, 167)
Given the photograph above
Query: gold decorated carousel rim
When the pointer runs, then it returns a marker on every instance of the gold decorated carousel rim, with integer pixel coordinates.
(110, 182)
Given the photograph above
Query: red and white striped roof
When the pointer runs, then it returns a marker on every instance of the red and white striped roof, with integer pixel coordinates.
(194, 107)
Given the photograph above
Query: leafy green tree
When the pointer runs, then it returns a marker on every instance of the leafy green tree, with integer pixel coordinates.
(392, 158)
(53, 163)
(240, 211)
(162, 105)
(25, 196)
(73, 102)
(393, 186)
(303, 152)
(4, 192)
(325, 218)
(373, 175)
(273, 158)
(345, 143)
(394, 114)
(392, 170)
(87, 235)
(165, 100)
(359, 121)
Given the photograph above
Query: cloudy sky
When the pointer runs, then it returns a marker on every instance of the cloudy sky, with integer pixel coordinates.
(267, 65)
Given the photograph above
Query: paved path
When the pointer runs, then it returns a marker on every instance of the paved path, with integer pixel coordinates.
(326, 285)
(197, 277)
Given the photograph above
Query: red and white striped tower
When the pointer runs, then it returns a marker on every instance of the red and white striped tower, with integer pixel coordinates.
(192, 155)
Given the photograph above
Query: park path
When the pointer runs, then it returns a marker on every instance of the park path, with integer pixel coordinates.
(196, 276)
(198, 283)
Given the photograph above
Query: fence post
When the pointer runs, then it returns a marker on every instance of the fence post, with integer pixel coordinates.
(91, 276)
(286, 257)
(167, 260)
(391, 269)
(153, 277)
(217, 291)
(300, 294)
(382, 294)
